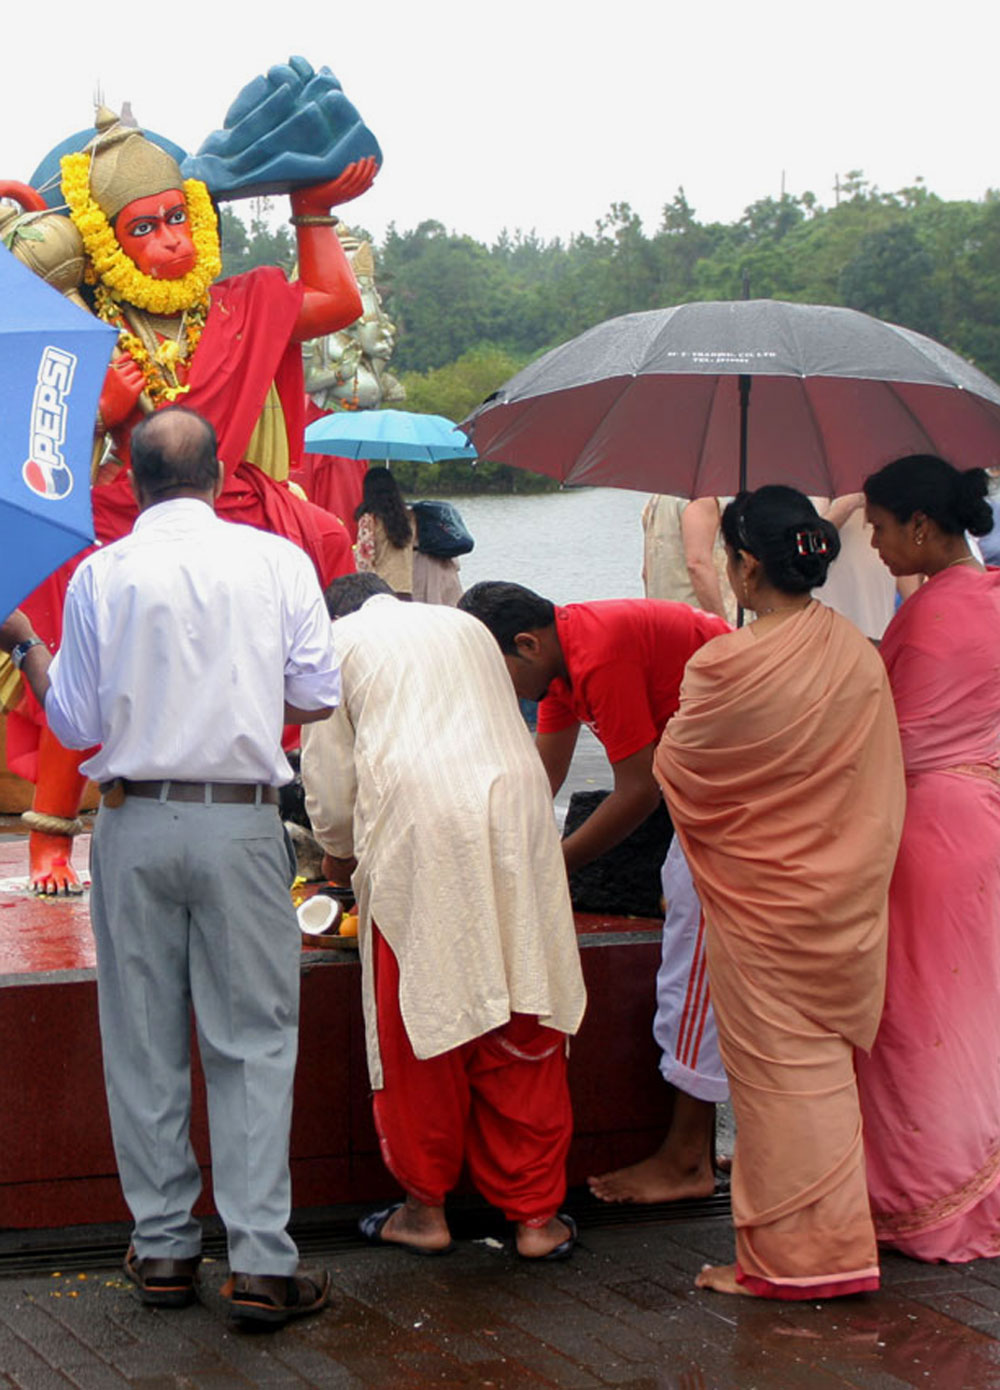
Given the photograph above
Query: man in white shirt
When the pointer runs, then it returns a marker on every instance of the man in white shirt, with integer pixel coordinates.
(186, 646)
(425, 788)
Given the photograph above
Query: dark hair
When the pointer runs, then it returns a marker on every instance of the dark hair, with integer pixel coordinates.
(954, 499)
(782, 528)
(174, 450)
(381, 497)
(507, 609)
(347, 594)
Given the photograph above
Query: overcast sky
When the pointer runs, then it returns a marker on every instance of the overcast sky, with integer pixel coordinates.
(538, 114)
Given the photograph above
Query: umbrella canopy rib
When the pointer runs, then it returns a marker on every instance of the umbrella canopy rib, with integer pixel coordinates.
(15, 513)
(818, 433)
(591, 456)
(697, 490)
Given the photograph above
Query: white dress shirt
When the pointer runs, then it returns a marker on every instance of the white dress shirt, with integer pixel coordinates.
(181, 643)
(427, 773)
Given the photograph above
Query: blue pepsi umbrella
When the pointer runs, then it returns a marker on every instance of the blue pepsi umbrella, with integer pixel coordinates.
(53, 357)
(388, 434)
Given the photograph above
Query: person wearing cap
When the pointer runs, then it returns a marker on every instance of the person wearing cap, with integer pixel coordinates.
(229, 349)
(186, 646)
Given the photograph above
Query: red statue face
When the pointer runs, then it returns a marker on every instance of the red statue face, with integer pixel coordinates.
(154, 232)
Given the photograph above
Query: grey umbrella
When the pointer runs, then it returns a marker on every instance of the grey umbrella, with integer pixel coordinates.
(703, 398)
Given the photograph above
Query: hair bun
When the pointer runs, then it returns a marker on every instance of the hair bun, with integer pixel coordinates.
(971, 507)
(781, 527)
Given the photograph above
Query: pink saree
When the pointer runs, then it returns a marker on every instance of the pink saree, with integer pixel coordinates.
(783, 774)
(930, 1091)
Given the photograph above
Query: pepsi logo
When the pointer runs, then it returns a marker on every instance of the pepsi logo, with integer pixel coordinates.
(45, 470)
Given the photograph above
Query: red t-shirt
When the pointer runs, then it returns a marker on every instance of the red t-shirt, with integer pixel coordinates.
(625, 659)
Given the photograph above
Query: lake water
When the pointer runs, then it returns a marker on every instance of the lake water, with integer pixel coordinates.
(571, 547)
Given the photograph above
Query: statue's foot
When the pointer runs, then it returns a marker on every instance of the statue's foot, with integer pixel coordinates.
(50, 865)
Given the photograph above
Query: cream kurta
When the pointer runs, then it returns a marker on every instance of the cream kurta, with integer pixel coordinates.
(664, 564)
(428, 775)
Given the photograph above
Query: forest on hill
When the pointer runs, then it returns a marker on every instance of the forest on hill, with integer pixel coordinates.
(469, 315)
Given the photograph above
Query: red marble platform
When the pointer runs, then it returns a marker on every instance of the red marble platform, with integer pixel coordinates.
(56, 1160)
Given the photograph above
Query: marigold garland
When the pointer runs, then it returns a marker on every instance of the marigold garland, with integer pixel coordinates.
(160, 367)
(117, 271)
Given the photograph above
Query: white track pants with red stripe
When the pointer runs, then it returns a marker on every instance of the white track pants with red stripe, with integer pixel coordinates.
(684, 1026)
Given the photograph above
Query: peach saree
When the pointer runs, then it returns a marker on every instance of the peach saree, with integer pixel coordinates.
(783, 774)
(930, 1091)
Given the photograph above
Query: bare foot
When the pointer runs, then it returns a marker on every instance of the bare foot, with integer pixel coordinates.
(665, 1176)
(416, 1224)
(721, 1279)
(535, 1242)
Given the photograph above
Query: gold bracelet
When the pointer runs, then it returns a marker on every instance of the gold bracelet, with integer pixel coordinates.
(310, 219)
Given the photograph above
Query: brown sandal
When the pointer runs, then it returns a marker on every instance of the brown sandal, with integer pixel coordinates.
(274, 1298)
(163, 1283)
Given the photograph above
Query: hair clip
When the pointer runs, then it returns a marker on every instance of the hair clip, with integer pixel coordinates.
(811, 543)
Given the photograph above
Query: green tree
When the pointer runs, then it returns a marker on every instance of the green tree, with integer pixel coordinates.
(454, 391)
(457, 388)
(245, 249)
(445, 294)
(892, 277)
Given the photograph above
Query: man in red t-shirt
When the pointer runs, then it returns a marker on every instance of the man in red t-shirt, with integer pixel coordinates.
(615, 665)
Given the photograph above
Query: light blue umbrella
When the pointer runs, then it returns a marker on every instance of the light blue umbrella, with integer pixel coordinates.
(53, 357)
(388, 434)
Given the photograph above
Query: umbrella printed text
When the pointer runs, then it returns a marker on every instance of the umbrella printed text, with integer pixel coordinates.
(45, 470)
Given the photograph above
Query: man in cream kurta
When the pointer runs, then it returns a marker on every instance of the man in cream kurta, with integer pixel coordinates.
(471, 978)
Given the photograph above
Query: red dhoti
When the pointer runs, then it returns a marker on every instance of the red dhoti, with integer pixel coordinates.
(500, 1103)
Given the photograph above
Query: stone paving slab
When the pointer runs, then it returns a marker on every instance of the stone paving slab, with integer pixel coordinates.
(622, 1312)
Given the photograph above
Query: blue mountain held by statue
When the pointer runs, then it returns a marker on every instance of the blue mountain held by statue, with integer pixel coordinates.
(287, 129)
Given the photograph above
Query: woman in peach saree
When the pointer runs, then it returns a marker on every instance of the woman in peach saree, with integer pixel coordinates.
(783, 774)
(930, 1091)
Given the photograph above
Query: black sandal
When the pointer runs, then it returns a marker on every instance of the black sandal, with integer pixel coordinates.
(272, 1299)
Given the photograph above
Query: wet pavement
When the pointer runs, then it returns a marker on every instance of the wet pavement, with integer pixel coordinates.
(621, 1312)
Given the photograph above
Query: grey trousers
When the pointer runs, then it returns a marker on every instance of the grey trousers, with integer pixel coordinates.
(190, 909)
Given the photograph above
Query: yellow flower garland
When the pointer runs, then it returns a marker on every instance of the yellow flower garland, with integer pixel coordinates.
(117, 271)
(159, 368)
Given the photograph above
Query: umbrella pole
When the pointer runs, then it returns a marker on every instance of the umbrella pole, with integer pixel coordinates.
(744, 383)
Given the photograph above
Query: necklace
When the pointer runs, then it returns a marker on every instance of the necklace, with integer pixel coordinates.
(159, 359)
(783, 608)
(964, 560)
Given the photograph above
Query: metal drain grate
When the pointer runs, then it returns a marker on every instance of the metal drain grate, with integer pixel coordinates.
(328, 1231)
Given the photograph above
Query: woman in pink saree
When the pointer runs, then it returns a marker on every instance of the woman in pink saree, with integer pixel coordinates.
(784, 777)
(930, 1091)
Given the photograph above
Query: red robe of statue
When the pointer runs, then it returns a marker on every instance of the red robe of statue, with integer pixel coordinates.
(246, 345)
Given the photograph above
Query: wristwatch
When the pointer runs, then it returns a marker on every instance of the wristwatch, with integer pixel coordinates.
(22, 649)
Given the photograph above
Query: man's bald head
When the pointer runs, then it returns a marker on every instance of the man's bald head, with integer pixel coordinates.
(173, 454)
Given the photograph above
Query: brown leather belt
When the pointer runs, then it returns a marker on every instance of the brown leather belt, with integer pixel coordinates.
(225, 793)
